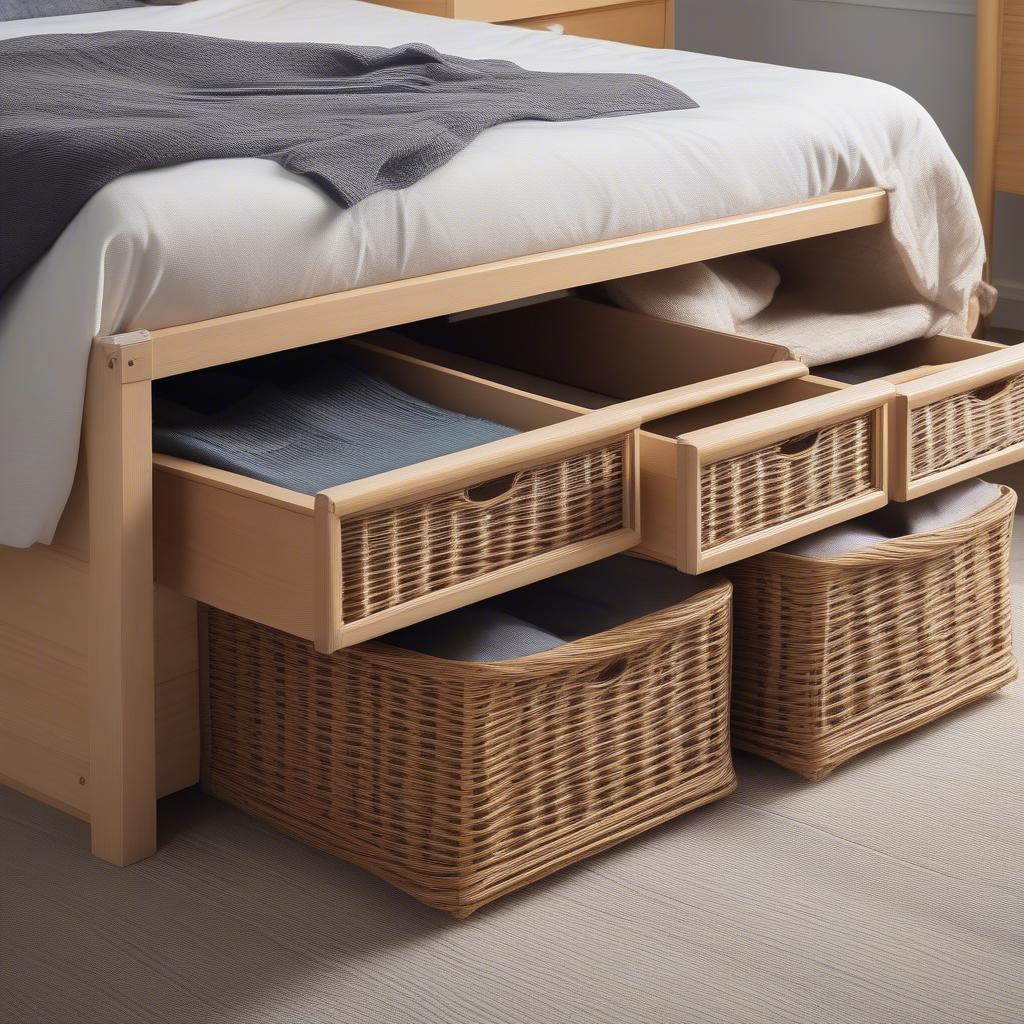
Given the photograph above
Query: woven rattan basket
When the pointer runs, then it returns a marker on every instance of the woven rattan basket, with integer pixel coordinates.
(955, 430)
(460, 782)
(832, 656)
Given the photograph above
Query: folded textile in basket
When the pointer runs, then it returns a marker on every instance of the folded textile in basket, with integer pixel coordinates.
(899, 519)
(306, 423)
(553, 612)
(78, 111)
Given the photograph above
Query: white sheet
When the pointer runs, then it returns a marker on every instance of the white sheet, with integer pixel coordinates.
(204, 239)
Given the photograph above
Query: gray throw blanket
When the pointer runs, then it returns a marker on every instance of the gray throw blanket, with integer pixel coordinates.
(16, 10)
(78, 111)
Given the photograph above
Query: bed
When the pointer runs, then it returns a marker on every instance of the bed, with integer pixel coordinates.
(528, 209)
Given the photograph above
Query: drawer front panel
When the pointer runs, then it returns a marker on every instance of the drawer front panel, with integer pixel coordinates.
(641, 24)
(769, 487)
(392, 556)
(968, 426)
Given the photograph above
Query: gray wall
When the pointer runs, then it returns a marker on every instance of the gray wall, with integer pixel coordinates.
(927, 53)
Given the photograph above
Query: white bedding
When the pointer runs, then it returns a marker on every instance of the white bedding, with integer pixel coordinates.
(204, 239)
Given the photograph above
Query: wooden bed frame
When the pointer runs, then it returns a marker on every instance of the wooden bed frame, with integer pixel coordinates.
(100, 760)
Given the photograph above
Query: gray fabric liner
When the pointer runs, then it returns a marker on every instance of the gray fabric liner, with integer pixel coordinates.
(79, 110)
(553, 612)
(17, 10)
(867, 367)
(306, 422)
(899, 519)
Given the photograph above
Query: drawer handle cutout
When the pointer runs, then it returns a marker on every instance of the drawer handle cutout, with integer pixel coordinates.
(612, 671)
(797, 446)
(989, 391)
(491, 490)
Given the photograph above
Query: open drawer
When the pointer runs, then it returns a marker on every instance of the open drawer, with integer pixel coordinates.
(958, 409)
(377, 554)
(744, 453)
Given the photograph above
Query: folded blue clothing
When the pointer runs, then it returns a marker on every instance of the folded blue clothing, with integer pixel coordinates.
(307, 423)
(551, 613)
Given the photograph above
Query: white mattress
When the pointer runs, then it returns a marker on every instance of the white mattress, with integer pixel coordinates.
(200, 240)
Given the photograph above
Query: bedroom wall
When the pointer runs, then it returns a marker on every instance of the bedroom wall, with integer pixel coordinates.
(925, 47)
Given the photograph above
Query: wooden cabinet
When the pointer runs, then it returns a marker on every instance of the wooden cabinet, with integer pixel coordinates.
(643, 23)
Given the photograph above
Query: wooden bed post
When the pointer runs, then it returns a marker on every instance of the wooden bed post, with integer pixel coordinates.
(119, 451)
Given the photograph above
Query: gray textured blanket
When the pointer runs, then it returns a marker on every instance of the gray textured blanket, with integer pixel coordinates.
(16, 10)
(306, 421)
(77, 111)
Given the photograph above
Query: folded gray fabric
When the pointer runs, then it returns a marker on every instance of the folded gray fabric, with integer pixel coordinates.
(481, 632)
(308, 424)
(863, 368)
(553, 612)
(899, 519)
(78, 111)
(15, 10)
(602, 595)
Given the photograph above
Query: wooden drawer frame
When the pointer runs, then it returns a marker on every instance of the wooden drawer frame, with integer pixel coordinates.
(275, 556)
(993, 364)
(671, 460)
(769, 429)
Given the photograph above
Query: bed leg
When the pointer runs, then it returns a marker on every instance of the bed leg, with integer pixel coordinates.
(118, 429)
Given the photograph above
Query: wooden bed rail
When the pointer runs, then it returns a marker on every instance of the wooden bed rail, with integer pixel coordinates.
(227, 339)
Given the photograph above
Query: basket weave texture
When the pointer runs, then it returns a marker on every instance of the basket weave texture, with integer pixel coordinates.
(460, 782)
(835, 655)
(752, 492)
(394, 555)
(963, 427)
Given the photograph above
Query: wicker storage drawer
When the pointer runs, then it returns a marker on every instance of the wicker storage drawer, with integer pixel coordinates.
(835, 655)
(958, 411)
(377, 554)
(751, 453)
(462, 781)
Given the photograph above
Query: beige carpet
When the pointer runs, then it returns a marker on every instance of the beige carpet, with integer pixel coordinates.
(890, 894)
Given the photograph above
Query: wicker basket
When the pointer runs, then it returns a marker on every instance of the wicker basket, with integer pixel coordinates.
(966, 426)
(748, 493)
(832, 656)
(460, 782)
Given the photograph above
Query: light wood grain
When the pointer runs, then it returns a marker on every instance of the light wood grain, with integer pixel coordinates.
(640, 24)
(511, 10)
(44, 691)
(122, 755)
(1003, 30)
(986, 110)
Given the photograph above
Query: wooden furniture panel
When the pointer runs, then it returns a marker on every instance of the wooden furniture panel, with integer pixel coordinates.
(958, 413)
(277, 557)
(645, 23)
(642, 24)
(44, 693)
